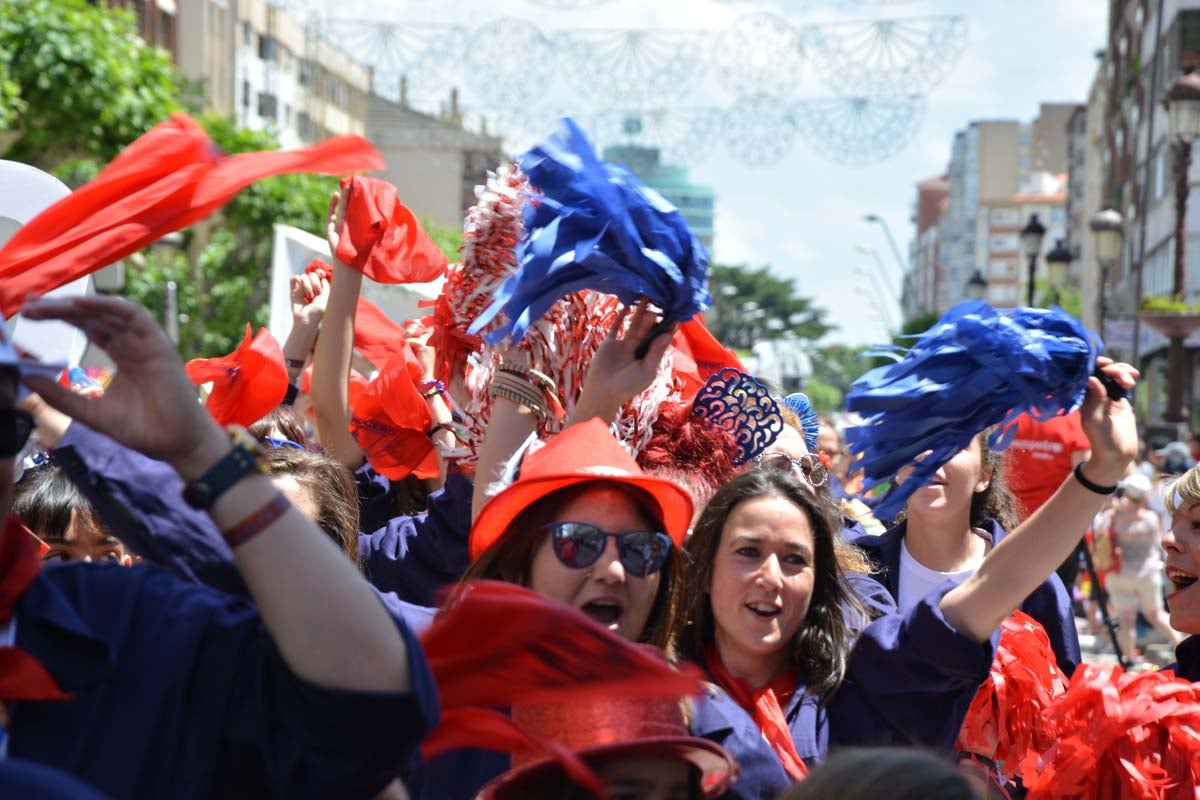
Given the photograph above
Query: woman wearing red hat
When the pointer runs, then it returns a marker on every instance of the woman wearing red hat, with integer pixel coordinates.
(797, 673)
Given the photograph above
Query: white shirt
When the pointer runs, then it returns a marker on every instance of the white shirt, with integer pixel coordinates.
(918, 580)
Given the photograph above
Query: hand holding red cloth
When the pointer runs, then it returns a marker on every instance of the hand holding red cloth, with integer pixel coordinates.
(247, 383)
(381, 237)
(167, 179)
(22, 677)
(391, 421)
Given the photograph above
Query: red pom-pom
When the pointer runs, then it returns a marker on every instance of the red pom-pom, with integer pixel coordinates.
(1007, 720)
(1119, 735)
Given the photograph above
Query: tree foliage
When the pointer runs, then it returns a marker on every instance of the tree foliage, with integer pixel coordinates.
(77, 81)
(837, 367)
(752, 304)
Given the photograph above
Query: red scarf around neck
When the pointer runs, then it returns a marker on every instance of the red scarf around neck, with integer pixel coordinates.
(765, 706)
(21, 676)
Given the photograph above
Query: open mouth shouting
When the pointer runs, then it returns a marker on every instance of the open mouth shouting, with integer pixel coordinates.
(605, 611)
(764, 611)
(1180, 579)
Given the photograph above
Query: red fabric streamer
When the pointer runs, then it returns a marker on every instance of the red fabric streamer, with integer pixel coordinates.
(381, 237)
(1007, 720)
(1120, 735)
(391, 422)
(699, 355)
(765, 706)
(376, 336)
(489, 729)
(167, 179)
(247, 383)
(496, 644)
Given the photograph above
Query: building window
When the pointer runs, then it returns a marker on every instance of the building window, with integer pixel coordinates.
(247, 35)
(268, 106)
(268, 48)
(246, 93)
(1005, 216)
(304, 126)
(306, 72)
(287, 115)
(1003, 243)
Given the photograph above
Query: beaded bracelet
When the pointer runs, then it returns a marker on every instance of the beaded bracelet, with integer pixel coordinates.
(524, 388)
(432, 388)
(497, 391)
(257, 522)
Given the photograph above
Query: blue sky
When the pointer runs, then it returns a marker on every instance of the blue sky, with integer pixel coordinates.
(803, 214)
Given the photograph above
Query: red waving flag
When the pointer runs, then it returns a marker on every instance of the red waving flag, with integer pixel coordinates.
(391, 421)
(247, 383)
(704, 356)
(382, 238)
(167, 179)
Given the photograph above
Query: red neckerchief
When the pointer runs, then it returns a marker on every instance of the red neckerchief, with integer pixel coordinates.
(22, 677)
(765, 707)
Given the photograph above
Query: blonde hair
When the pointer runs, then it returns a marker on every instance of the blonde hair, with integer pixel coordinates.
(1184, 491)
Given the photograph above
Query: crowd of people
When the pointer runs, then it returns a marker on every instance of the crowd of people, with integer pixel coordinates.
(188, 610)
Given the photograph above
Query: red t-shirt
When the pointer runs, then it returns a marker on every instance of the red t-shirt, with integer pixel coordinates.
(1039, 458)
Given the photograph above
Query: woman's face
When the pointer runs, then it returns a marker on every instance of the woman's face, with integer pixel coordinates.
(762, 582)
(85, 541)
(604, 591)
(1182, 544)
(950, 491)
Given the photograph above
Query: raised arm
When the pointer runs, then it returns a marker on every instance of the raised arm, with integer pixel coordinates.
(310, 293)
(339, 637)
(1035, 549)
(335, 350)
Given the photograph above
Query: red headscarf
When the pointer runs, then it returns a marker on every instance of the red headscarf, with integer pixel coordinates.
(765, 705)
(247, 383)
(382, 238)
(167, 179)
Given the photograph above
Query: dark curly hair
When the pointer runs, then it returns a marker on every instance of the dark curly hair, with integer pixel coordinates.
(996, 501)
(821, 648)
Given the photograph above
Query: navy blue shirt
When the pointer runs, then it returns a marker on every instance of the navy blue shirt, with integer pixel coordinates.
(1187, 659)
(910, 681)
(20, 778)
(180, 692)
(1049, 603)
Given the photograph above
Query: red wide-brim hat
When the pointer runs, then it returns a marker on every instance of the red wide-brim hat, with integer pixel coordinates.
(583, 453)
(718, 769)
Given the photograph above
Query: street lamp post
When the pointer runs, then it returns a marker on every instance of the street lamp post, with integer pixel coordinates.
(1032, 236)
(977, 286)
(887, 231)
(1183, 122)
(1107, 229)
(1058, 264)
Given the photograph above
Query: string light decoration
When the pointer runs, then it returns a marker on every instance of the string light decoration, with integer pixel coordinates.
(853, 91)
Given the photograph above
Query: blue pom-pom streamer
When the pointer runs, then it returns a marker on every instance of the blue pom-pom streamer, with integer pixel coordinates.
(802, 407)
(977, 367)
(595, 226)
(735, 401)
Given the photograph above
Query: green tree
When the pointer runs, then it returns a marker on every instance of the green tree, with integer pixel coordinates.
(837, 367)
(77, 81)
(751, 304)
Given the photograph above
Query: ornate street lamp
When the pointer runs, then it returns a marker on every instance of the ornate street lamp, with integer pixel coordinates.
(1183, 118)
(1108, 228)
(977, 286)
(1032, 236)
(1058, 263)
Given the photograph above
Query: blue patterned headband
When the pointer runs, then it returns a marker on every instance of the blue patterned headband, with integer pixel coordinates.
(736, 402)
(803, 409)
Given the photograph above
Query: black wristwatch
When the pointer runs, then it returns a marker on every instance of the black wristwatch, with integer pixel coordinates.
(246, 457)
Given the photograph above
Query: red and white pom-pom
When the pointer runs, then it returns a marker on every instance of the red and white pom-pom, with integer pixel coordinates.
(1120, 735)
(1007, 719)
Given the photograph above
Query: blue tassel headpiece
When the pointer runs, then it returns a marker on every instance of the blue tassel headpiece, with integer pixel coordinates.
(977, 367)
(595, 226)
(802, 407)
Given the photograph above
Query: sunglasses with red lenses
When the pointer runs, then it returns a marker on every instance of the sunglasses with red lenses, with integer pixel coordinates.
(579, 545)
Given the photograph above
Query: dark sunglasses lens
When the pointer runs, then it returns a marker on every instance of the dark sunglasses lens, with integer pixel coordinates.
(643, 553)
(577, 546)
(14, 433)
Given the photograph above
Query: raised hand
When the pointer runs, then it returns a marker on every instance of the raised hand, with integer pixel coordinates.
(310, 295)
(1110, 425)
(151, 405)
(616, 375)
(333, 221)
